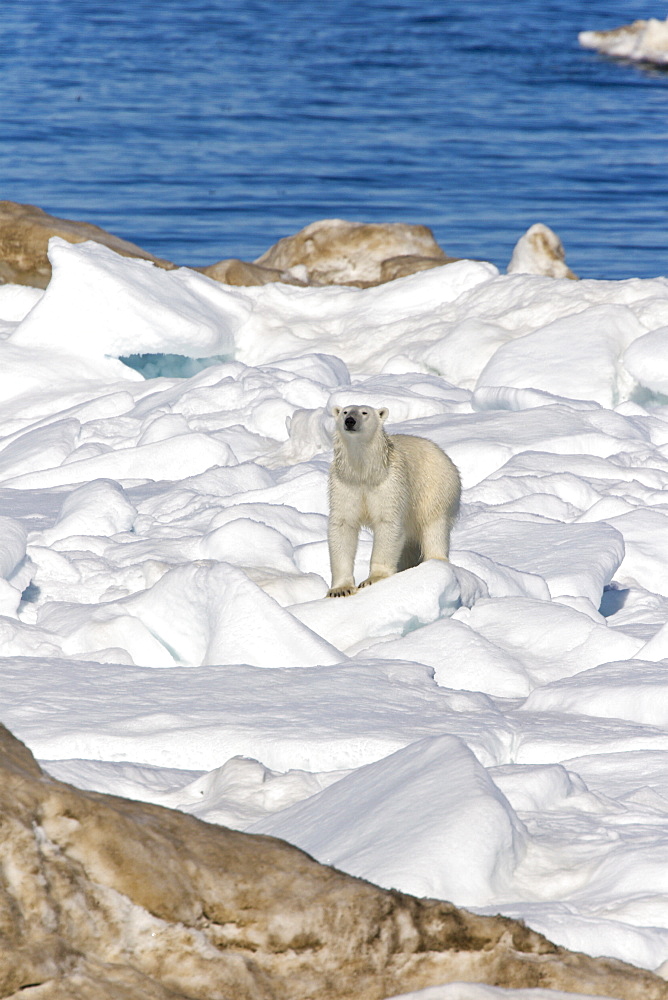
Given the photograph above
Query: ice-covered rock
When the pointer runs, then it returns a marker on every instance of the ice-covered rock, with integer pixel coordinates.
(335, 251)
(110, 896)
(540, 251)
(241, 272)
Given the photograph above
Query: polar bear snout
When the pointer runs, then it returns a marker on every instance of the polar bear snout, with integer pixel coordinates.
(349, 423)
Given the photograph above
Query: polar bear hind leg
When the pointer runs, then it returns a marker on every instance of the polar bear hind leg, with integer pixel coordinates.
(435, 538)
(388, 543)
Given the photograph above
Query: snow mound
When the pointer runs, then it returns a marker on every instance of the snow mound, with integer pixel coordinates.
(427, 820)
(625, 689)
(390, 607)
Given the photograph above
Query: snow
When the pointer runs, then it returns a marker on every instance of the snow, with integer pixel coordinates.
(407, 819)
(476, 991)
(494, 730)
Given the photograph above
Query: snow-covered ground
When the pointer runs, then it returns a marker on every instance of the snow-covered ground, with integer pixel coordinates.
(493, 731)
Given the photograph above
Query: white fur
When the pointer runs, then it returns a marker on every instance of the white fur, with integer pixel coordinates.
(402, 487)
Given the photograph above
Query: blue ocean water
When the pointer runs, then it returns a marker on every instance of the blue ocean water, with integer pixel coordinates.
(204, 129)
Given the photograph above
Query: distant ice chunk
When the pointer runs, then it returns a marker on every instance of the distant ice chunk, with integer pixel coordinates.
(12, 546)
(544, 788)
(645, 534)
(640, 41)
(211, 612)
(201, 612)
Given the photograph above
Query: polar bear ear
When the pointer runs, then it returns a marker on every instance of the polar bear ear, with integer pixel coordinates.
(383, 413)
(335, 411)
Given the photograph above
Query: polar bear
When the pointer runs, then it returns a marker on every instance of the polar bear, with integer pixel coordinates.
(402, 487)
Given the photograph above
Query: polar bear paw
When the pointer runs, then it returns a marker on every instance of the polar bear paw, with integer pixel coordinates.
(344, 591)
(374, 578)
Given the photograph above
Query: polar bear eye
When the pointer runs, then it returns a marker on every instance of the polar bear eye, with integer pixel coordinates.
(365, 413)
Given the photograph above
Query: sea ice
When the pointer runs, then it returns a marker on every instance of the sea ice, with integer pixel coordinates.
(493, 730)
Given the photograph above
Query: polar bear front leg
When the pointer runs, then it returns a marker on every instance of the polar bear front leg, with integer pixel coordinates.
(388, 542)
(342, 537)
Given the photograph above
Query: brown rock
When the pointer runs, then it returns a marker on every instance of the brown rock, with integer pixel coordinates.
(327, 252)
(240, 272)
(25, 231)
(405, 264)
(335, 252)
(102, 898)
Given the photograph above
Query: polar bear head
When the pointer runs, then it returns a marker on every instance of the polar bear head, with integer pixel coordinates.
(363, 420)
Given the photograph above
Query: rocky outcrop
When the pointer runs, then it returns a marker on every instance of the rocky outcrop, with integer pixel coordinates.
(239, 272)
(25, 231)
(335, 252)
(540, 251)
(103, 897)
(410, 263)
(329, 252)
